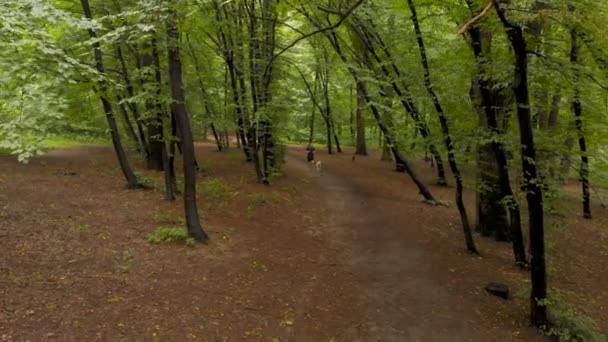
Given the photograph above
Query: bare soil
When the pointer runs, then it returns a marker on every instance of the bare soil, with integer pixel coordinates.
(346, 254)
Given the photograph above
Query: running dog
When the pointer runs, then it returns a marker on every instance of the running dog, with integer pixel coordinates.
(318, 165)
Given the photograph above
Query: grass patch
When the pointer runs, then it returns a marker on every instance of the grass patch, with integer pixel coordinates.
(217, 193)
(215, 188)
(168, 217)
(170, 235)
(61, 142)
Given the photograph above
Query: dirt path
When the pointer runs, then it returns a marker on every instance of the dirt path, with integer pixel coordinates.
(348, 254)
(396, 276)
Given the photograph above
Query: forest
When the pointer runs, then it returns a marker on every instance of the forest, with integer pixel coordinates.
(154, 182)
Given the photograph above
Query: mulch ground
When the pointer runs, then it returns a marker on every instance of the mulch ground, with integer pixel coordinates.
(75, 264)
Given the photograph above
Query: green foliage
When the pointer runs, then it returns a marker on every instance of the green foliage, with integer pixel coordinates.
(168, 235)
(568, 324)
(215, 189)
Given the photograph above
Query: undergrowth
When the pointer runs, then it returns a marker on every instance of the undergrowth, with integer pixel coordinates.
(170, 235)
(569, 324)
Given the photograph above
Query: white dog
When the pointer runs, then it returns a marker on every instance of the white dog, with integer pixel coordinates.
(318, 165)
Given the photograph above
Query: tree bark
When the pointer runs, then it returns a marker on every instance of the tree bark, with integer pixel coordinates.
(154, 122)
(578, 115)
(534, 196)
(195, 229)
(369, 36)
(488, 97)
(361, 145)
(449, 144)
(132, 181)
(133, 106)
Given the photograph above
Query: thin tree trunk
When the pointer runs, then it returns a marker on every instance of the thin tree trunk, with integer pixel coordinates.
(399, 158)
(578, 115)
(403, 92)
(129, 126)
(449, 144)
(333, 130)
(195, 229)
(167, 165)
(538, 312)
(154, 123)
(133, 106)
(132, 181)
(361, 145)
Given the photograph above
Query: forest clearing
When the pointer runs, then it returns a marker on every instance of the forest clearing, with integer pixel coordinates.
(290, 170)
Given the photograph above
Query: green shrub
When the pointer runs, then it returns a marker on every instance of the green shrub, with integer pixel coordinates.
(568, 324)
(168, 235)
(215, 188)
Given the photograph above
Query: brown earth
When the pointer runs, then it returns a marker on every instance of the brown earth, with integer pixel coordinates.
(346, 254)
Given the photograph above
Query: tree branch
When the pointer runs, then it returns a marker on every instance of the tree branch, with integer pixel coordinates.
(476, 18)
(343, 17)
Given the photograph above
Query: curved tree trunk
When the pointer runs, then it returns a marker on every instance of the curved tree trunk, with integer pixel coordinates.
(132, 181)
(449, 144)
(195, 229)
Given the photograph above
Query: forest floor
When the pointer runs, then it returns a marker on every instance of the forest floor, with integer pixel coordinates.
(346, 254)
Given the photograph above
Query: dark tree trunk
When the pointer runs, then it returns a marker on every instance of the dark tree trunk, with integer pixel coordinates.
(534, 196)
(154, 123)
(233, 55)
(470, 243)
(489, 107)
(129, 126)
(195, 230)
(172, 144)
(390, 140)
(388, 118)
(335, 134)
(361, 145)
(206, 99)
(167, 165)
(133, 106)
(369, 36)
(578, 116)
(102, 88)
(311, 133)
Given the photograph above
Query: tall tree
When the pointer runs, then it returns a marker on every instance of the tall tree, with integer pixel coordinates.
(195, 229)
(102, 89)
(534, 195)
(577, 108)
(449, 144)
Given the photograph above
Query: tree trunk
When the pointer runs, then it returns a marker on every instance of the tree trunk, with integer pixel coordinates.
(361, 145)
(311, 133)
(335, 134)
(154, 123)
(470, 243)
(161, 115)
(369, 36)
(102, 88)
(578, 115)
(129, 126)
(195, 229)
(538, 315)
(488, 97)
(133, 106)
